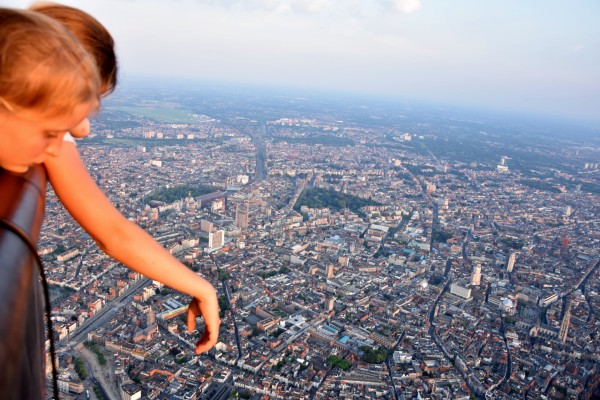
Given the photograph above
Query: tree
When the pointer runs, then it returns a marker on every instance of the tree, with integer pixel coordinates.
(80, 369)
(372, 356)
(255, 332)
(223, 275)
(223, 305)
(336, 361)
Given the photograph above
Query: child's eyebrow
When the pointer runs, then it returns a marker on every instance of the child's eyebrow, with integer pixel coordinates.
(59, 130)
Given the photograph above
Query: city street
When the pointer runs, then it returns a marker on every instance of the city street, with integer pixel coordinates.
(99, 372)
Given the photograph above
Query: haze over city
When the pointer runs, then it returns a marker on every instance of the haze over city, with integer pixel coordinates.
(535, 57)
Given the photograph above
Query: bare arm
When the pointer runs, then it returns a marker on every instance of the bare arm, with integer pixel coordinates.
(127, 242)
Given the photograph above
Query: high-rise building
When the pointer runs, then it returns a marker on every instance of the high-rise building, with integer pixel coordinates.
(329, 271)
(445, 205)
(216, 239)
(460, 289)
(511, 261)
(206, 226)
(241, 216)
(329, 303)
(568, 211)
(151, 316)
(476, 276)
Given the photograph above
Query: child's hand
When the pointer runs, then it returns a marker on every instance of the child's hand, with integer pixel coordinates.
(209, 309)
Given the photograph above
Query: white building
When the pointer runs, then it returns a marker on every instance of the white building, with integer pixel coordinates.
(216, 239)
(460, 290)
(510, 265)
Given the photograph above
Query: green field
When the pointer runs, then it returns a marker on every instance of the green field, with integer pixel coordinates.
(159, 112)
(132, 142)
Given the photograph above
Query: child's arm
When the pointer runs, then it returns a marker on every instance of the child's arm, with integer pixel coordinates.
(127, 242)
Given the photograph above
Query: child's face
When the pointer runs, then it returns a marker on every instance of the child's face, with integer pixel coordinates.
(29, 138)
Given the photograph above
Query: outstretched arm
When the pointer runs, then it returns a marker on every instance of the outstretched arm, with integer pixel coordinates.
(127, 242)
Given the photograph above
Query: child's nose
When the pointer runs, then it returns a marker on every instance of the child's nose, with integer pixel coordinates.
(81, 130)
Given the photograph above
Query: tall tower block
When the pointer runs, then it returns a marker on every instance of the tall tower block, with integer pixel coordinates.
(216, 239)
(151, 317)
(476, 276)
(241, 216)
(511, 261)
(329, 303)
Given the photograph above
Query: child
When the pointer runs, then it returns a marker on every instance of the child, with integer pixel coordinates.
(48, 85)
(117, 236)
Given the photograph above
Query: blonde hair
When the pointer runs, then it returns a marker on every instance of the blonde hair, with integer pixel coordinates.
(92, 35)
(42, 66)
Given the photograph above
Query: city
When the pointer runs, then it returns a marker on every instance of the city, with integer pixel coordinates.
(361, 249)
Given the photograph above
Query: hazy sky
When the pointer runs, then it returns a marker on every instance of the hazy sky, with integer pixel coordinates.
(540, 56)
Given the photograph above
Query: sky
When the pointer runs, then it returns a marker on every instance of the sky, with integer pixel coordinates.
(535, 56)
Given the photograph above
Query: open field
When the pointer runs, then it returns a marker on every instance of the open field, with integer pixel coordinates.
(159, 112)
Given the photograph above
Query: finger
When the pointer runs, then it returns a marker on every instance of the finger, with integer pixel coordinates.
(205, 343)
(193, 312)
(202, 348)
(201, 345)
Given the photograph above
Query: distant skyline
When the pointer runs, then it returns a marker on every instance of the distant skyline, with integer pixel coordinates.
(538, 57)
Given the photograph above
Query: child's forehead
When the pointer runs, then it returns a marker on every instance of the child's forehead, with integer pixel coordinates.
(64, 120)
